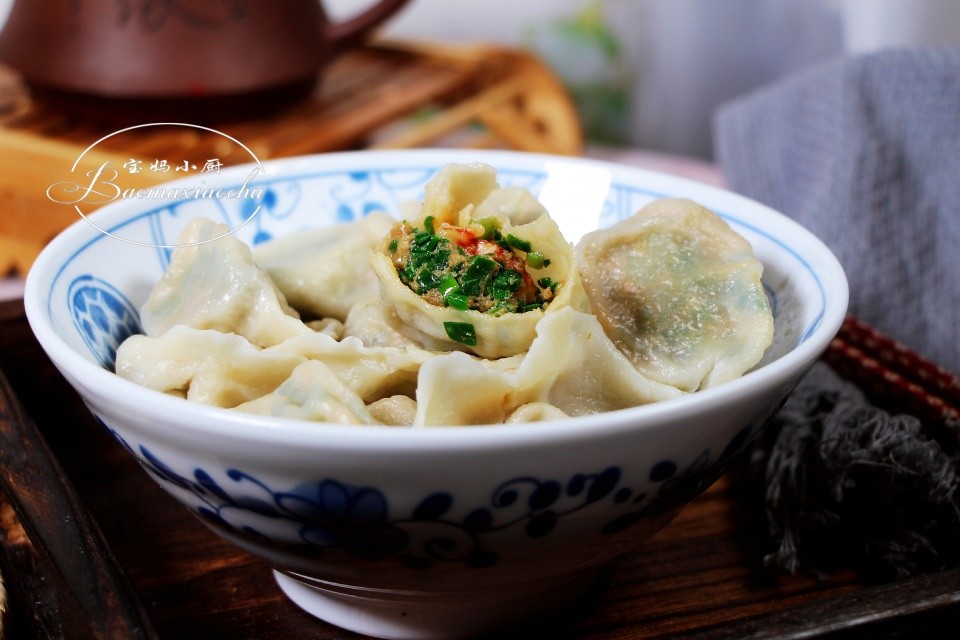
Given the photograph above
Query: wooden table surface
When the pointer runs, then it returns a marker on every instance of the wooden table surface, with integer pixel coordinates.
(701, 577)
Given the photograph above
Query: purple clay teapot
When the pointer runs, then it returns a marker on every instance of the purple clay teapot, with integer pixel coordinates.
(213, 57)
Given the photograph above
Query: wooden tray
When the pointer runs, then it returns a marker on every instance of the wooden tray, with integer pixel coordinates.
(701, 577)
(385, 95)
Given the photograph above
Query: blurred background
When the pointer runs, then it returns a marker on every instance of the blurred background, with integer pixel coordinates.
(648, 74)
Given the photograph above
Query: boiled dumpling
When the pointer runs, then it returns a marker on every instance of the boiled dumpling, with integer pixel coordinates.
(575, 367)
(572, 366)
(396, 411)
(455, 389)
(324, 272)
(375, 326)
(370, 372)
(215, 284)
(679, 292)
(312, 392)
(206, 366)
(478, 285)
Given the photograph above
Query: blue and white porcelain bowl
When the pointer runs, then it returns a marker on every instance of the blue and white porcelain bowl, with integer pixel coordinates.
(437, 532)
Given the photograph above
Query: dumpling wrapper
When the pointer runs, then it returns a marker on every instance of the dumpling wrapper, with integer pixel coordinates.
(329, 326)
(375, 326)
(572, 366)
(396, 411)
(203, 365)
(312, 392)
(455, 187)
(459, 192)
(370, 372)
(535, 412)
(226, 370)
(515, 205)
(324, 272)
(679, 292)
(215, 284)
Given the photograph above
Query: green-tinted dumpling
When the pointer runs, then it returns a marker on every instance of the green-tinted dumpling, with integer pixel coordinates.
(679, 292)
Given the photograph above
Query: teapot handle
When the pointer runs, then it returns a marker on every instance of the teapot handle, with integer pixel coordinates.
(344, 35)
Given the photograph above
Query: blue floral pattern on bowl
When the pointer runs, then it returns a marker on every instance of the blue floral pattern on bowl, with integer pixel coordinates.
(102, 315)
(358, 520)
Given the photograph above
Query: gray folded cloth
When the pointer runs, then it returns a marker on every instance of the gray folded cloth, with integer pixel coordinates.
(849, 485)
(865, 152)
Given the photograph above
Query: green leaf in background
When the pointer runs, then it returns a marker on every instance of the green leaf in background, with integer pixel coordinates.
(587, 56)
(590, 25)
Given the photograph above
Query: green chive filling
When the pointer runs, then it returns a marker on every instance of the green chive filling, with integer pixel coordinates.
(444, 273)
(448, 285)
(462, 332)
(457, 301)
(491, 226)
(535, 260)
(517, 243)
(476, 278)
(547, 283)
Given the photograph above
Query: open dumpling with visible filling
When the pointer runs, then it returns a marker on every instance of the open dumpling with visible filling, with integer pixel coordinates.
(476, 284)
(679, 292)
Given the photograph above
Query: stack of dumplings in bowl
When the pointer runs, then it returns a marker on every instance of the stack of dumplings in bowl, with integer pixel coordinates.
(471, 310)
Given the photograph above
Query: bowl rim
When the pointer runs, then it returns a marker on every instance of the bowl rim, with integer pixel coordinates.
(204, 421)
